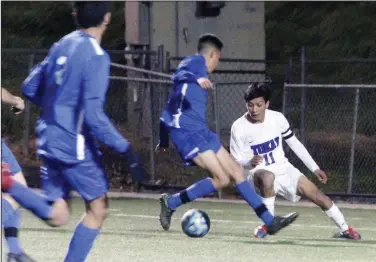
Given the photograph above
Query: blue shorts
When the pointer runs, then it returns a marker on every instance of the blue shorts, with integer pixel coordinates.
(190, 143)
(8, 157)
(87, 178)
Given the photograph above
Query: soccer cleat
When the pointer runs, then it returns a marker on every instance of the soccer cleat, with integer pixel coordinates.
(166, 212)
(281, 222)
(349, 234)
(19, 258)
(260, 232)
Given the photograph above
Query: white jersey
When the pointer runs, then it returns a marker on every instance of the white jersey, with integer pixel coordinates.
(265, 139)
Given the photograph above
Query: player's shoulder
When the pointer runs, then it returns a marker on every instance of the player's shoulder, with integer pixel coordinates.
(239, 123)
(192, 62)
(82, 43)
(275, 114)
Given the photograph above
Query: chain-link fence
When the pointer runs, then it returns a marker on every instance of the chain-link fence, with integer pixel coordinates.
(323, 117)
(335, 119)
(339, 133)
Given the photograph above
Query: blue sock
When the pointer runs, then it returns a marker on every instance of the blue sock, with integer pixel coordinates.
(6, 211)
(253, 199)
(81, 243)
(11, 224)
(30, 200)
(197, 190)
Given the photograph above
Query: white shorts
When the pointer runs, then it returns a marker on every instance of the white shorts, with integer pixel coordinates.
(285, 182)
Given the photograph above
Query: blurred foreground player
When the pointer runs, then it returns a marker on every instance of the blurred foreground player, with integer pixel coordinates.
(70, 87)
(184, 118)
(256, 144)
(11, 214)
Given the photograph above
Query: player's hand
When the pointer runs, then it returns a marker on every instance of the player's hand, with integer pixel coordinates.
(205, 83)
(18, 106)
(321, 176)
(159, 149)
(256, 160)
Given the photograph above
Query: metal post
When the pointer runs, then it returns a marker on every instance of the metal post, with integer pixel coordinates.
(216, 121)
(26, 133)
(353, 141)
(284, 99)
(177, 30)
(285, 90)
(303, 94)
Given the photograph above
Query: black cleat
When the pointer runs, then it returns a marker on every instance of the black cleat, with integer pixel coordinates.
(281, 222)
(19, 258)
(166, 212)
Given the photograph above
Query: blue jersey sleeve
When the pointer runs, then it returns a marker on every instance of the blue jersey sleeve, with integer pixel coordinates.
(34, 85)
(95, 82)
(190, 69)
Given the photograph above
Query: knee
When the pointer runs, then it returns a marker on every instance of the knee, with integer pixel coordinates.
(264, 179)
(237, 173)
(60, 213)
(98, 208)
(221, 182)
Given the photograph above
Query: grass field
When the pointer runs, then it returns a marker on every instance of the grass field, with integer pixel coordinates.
(132, 233)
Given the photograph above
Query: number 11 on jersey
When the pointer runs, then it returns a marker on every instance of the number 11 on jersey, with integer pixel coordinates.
(269, 159)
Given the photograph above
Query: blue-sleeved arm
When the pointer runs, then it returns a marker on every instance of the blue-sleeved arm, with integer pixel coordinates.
(34, 85)
(95, 83)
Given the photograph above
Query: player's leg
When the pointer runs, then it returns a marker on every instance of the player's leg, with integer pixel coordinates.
(89, 180)
(269, 186)
(310, 190)
(11, 215)
(264, 181)
(273, 224)
(11, 221)
(210, 155)
(243, 186)
(199, 189)
(53, 213)
(200, 148)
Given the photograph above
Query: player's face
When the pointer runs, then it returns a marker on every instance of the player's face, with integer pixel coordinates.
(213, 60)
(256, 109)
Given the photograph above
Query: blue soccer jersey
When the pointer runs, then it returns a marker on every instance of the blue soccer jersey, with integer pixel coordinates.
(184, 116)
(186, 107)
(70, 86)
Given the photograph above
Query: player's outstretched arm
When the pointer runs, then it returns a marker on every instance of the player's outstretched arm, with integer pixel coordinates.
(296, 146)
(95, 84)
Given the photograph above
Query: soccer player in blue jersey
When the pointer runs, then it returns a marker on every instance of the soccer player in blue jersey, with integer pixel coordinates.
(11, 215)
(70, 86)
(184, 119)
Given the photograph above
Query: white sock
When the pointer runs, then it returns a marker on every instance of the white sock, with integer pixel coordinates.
(336, 215)
(269, 203)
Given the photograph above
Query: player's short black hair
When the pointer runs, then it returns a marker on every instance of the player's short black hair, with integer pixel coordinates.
(209, 39)
(256, 90)
(90, 13)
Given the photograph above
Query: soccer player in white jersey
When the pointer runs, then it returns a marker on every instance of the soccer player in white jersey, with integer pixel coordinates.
(256, 144)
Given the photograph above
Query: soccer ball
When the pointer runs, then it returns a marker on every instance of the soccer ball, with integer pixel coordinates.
(195, 223)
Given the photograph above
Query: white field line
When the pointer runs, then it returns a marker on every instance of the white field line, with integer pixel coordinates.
(302, 203)
(244, 222)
